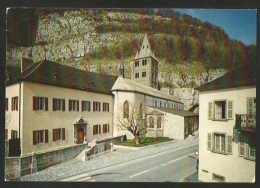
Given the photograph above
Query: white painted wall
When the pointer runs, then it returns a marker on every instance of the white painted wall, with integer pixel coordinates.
(173, 126)
(233, 167)
(13, 123)
(38, 120)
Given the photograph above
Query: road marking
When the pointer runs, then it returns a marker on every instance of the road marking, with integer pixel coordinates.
(179, 158)
(76, 177)
(138, 174)
(84, 178)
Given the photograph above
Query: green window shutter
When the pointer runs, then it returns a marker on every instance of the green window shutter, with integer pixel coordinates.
(229, 145)
(230, 110)
(209, 145)
(210, 105)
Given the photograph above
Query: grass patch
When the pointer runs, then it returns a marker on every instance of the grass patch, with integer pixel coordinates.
(145, 141)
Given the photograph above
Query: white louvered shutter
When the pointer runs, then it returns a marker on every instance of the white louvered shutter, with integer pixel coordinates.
(229, 145)
(230, 110)
(209, 145)
(242, 149)
(210, 111)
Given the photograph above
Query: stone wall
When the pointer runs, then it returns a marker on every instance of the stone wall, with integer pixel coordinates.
(15, 167)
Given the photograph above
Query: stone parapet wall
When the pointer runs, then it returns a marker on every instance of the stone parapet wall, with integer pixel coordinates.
(16, 167)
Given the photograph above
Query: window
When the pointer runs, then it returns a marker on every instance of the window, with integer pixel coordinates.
(14, 103)
(159, 123)
(144, 62)
(251, 106)
(137, 63)
(220, 143)
(6, 134)
(151, 122)
(246, 150)
(105, 107)
(6, 104)
(96, 106)
(219, 110)
(155, 103)
(73, 105)
(14, 134)
(85, 105)
(143, 74)
(105, 128)
(126, 109)
(40, 136)
(58, 134)
(218, 177)
(40, 103)
(137, 75)
(58, 104)
(96, 129)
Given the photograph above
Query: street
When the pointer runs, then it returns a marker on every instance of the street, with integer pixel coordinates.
(168, 166)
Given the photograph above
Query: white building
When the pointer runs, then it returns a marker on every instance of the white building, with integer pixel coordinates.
(227, 119)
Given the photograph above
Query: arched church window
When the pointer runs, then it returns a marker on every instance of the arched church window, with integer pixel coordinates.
(159, 122)
(126, 109)
(151, 122)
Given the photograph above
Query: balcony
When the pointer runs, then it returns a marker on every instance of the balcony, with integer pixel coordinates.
(245, 122)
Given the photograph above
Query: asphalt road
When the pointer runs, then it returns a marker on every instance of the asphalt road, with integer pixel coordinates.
(170, 166)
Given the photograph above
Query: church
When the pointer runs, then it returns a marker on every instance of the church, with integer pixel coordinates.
(52, 107)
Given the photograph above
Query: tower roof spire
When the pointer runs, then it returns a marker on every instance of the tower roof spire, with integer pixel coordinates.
(145, 49)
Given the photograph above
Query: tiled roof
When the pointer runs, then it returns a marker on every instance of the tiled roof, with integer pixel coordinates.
(47, 72)
(178, 112)
(242, 76)
(124, 84)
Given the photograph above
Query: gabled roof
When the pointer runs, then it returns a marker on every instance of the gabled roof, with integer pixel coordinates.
(242, 76)
(124, 84)
(47, 72)
(154, 112)
(178, 112)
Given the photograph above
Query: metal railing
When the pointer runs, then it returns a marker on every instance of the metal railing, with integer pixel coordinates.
(245, 122)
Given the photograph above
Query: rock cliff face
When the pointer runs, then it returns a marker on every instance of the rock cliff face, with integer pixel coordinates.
(69, 36)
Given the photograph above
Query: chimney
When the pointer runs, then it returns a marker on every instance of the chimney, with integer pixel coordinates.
(25, 63)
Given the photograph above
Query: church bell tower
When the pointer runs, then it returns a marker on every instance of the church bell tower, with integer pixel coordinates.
(144, 68)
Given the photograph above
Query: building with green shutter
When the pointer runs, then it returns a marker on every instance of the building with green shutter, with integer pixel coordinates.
(227, 122)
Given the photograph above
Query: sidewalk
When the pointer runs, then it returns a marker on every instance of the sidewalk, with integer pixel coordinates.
(120, 155)
(192, 177)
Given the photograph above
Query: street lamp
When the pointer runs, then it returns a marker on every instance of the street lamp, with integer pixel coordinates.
(196, 153)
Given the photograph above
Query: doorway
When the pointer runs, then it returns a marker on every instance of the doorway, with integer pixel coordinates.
(80, 135)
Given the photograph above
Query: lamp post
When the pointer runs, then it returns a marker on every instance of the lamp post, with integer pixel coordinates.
(196, 154)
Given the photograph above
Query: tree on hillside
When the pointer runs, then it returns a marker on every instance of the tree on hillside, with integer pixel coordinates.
(133, 120)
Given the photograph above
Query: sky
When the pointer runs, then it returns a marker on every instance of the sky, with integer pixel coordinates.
(239, 24)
